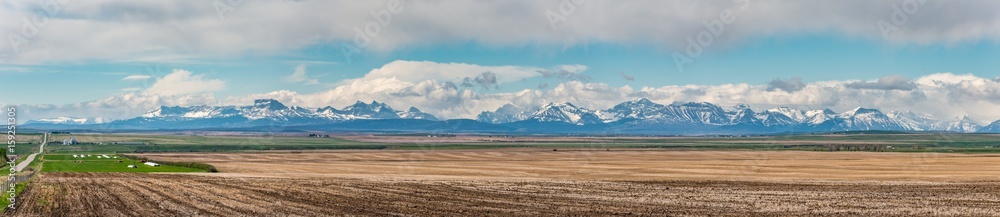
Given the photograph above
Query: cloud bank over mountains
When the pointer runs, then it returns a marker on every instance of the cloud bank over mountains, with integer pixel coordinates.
(187, 30)
(108, 32)
(442, 93)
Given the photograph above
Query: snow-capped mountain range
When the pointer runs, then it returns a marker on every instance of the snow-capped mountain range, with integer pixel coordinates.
(640, 116)
(264, 112)
(645, 112)
(67, 120)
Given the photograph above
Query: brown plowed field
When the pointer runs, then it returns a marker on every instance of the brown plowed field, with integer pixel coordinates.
(528, 182)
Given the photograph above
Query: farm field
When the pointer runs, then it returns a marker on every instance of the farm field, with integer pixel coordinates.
(140, 143)
(190, 195)
(536, 182)
(606, 164)
(112, 143)
(67, 163)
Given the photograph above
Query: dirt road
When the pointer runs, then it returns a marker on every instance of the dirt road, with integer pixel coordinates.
(27, 161)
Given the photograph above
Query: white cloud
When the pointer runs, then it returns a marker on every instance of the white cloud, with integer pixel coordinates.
(892, 82)
(566, 73)
(299, 76)
(416, 71)
(790, 85)
(942, 79)
(130, 89)
(115, 107)
(942, 94)
(283, 96)
(137, 77)
(187, 30)
(180, 82)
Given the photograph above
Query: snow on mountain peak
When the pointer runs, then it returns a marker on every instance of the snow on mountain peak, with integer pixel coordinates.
(794, 114)
(639, 113)
(816, 117)
(566, 112)
(642, 101)
(914, 121)
(860, 111)
(269, 104)
(505, 114)
(65, 120)
(961, 123)
(741, 106)
(414, 113)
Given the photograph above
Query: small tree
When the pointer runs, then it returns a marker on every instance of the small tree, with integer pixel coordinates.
(5, 157)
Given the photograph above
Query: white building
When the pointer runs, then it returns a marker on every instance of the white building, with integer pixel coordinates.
(70, 141)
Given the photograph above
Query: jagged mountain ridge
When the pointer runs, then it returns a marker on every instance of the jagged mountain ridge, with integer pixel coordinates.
(640, 115)
(265, 112)
(67, 120)
(505, 114)
(645, 112)
(992, 127)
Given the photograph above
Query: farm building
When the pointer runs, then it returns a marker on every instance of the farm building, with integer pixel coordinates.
(70, 141)
(152, 164)
(131, 166)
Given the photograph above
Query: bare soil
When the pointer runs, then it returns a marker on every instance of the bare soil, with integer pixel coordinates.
(535, 182)
(606, 164)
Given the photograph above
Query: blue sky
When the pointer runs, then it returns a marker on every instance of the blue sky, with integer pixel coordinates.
(810, 57)
(599, 54)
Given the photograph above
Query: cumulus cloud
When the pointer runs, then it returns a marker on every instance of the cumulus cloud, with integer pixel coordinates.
(137, 77)
(416, 71)
(180, 29)
(486, 80)
(283, 96)
(941, 94)
(115, 107)
(566, 73)
(299, 76)
(961, 89)
(445, 99)
(180, 82)
(892, 82)
(790, 85)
